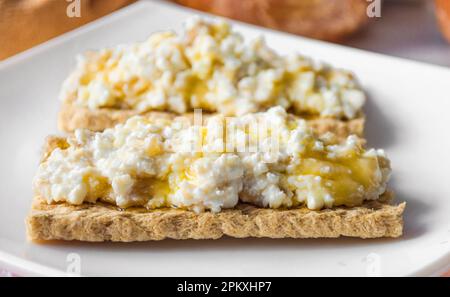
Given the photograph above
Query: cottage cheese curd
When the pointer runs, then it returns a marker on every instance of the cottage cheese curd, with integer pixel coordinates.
(268, 159)
(211, 67)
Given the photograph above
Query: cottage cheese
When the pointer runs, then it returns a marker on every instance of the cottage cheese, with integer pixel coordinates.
(211, 67)
(268, 159)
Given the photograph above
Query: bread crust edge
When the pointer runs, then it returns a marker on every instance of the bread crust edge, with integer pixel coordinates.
(73, 117)
(103, 222)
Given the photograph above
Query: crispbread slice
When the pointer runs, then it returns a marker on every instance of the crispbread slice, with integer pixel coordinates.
(103, 222)
(72, 117)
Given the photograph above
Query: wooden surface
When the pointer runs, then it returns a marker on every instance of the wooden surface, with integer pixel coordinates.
(25, 23)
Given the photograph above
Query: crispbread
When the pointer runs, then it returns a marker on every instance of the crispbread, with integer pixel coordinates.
(72, 117)
(105, 222)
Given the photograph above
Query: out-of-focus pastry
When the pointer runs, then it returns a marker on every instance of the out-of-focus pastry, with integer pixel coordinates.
(443, 15)
(322, 19)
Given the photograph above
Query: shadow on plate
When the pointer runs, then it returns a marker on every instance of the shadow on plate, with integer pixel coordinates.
(379, 129)
(226, 244)
(415, 213)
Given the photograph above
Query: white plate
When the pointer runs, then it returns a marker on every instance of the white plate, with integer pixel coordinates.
(408, 115)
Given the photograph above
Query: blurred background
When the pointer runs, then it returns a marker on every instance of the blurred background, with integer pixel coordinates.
(414, 29)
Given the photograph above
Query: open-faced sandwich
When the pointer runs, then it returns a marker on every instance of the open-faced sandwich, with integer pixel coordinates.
(279, 153)
(208, 67)
(261, 174)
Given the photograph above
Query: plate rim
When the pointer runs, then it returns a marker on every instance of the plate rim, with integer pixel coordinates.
(29, 268)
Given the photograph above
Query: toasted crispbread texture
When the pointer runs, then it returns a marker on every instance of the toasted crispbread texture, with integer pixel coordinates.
(103, 222)
(72, 117)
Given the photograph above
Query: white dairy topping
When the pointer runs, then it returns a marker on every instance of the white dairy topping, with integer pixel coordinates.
(267, 159)
(209, 66)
